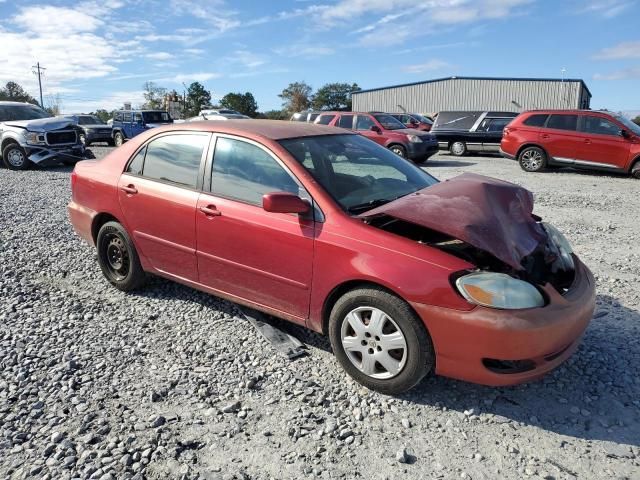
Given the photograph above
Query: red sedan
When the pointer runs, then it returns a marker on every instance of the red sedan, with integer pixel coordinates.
(325, 228)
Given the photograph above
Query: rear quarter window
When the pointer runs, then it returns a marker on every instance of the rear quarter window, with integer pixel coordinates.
(537, 120)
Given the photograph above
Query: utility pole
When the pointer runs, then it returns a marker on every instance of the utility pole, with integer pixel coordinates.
(38, 71)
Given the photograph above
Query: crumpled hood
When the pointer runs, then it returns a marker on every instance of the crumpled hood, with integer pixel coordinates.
(489, 214)
(41, 125)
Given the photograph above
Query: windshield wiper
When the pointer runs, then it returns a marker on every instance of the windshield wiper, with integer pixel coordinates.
(363, 207)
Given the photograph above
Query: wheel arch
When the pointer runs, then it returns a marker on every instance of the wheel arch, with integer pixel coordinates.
(98, 221)
(8, 141)
(395, 143)
(532, 144)
(633, 163)
(341, 289)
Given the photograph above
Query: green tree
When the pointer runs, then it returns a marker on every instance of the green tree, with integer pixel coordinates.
(153, 96)
(243, 103)
(197, 97)
(102, 114)
(334, 96)
(274, 115)
(636, 120)
(15, 93)
(296, 97)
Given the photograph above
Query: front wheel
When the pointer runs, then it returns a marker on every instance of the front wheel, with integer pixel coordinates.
(15, 158)
(118, 139)
(532, 159)
(458, 149)
(380, 341)
(118, 258)
(399, 150)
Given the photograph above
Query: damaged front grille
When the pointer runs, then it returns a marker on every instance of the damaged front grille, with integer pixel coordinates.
(61, 137)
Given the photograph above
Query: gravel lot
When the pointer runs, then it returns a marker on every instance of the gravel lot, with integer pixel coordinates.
(170, 383)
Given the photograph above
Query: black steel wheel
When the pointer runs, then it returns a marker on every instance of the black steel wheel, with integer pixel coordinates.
(118, 258)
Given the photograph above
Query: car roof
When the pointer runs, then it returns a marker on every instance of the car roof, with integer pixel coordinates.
(270, 129)
(569, 111)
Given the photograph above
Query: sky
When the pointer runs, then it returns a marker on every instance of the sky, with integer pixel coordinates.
(98, 54)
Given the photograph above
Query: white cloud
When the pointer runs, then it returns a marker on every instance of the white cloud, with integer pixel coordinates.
(621, 51)
(109, 102)
(625, 74)
(606, 8)
(51, 20)
(304, 50)
(189, 77)
(430, 66)
(214, 12)
(160, 56)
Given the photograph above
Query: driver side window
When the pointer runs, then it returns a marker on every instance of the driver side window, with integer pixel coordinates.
(245, 172)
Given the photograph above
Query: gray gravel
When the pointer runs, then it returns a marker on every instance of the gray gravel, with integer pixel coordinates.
(170, 383)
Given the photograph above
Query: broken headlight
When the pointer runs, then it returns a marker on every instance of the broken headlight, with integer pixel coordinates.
(498, 290)
(562, 244)
(34, 138)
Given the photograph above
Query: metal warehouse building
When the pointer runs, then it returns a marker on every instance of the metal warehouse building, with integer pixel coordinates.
(475, 93)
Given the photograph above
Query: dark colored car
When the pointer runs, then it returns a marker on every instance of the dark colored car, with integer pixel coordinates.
(385, 130)
(31, 136)
(305, 116)
(327, 229)
(93, 129)
(129, 123)
(462, 132)
(573, 138)
(414, 120)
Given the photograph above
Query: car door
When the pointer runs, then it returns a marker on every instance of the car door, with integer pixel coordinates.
(363, 127)
(127, 118)
(244, 251)
(492, 129)
(158, 194)
(137, 124)
(602, 144)
(560, 138)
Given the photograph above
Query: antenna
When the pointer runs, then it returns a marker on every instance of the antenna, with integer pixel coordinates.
(39, 71)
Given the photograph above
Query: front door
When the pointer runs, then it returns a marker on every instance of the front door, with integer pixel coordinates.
(602, 144)
(363, 127)
(158, 194)
(244, 251)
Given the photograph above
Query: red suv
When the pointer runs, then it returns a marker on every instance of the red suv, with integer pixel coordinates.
(577, 138)
(387, 131)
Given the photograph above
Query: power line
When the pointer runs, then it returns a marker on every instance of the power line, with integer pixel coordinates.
(39, 72)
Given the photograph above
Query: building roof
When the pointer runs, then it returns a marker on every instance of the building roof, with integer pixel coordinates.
(569, 80)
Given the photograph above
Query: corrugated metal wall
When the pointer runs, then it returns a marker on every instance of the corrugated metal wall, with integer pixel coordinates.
(474, 94)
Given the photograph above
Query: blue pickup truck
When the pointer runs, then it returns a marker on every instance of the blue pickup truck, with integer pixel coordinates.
(129, 123)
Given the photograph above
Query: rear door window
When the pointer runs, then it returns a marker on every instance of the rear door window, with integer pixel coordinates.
(537, 120)
(175, 159)
(345, 121)
(563, 122)
(324, 119)
(127, 117)
(496, 124)
(364, 122)
(599, 126)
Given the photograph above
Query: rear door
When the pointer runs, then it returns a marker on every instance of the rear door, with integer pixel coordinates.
(492, 129)
(137, 125)
(127, 119)
(363, 127)
(243, 250)
(560, 138)
(158, 194)
(602, 144)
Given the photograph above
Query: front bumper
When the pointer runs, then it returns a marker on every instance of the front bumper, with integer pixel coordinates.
(421, 151)
(541, 338)
(46, 155)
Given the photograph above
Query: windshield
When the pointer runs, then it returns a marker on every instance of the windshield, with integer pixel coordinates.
(422, 119)
(21, 112)
(358, 173)
(156, 117)
(389, 123)
(635, 128)
(88, 120)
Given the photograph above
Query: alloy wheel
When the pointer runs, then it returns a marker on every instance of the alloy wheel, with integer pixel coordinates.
(531, 160)
(457, 148)
(373, 342)
(398, 151)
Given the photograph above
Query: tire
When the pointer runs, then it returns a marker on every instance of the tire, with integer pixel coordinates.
(111, 142)
(118, 258)
(118, 139)
(635, 170)
(399, 150)
(532, 159)
(15, 158)
(404, 366)
(89, 155)
(458, 149)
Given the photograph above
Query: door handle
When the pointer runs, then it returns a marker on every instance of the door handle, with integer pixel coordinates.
(587, 141)
(211, 211)
(544, 135)
(129, 189)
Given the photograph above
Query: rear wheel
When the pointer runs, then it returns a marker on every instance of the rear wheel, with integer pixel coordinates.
(635, 171)
(118, 139)
(380, 341)
(15, 158)
(399, 150)
(111, 142)
(118, 258)
(458, 149)
(532, 159)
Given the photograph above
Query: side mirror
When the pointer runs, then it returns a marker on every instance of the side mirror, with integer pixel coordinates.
(375, 128)
(625, 134)
(284, 202)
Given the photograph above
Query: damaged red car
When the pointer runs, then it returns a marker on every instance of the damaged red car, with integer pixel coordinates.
(405, 274)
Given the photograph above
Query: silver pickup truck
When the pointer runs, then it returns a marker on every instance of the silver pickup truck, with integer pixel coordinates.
(29, 135)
